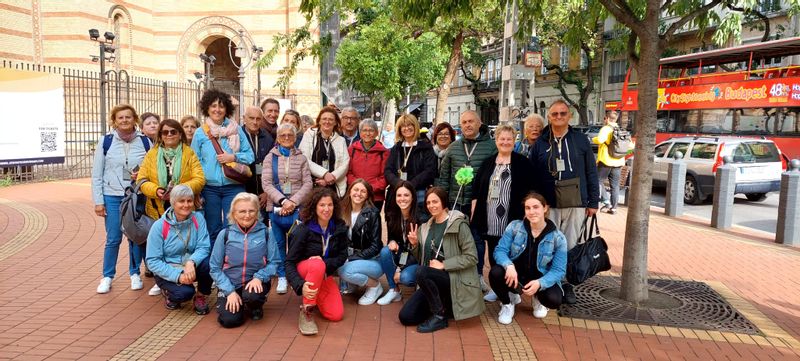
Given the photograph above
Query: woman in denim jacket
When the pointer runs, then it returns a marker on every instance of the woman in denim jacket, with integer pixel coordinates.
(531, 258)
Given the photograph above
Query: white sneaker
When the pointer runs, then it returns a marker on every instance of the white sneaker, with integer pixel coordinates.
(484, 286)
(392, 296)
(105, 285)
(155, 291)
(490, 296)
(515, 298)
(283, 286)
(371, 295)
(506, 314)
(136, 282)
(539, 311)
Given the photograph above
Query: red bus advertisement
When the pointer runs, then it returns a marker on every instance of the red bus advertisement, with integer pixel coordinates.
(742, 91)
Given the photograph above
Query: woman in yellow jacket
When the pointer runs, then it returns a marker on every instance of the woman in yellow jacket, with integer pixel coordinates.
(160, 169)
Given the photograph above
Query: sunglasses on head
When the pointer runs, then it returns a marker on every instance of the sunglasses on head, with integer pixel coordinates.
(168, 132)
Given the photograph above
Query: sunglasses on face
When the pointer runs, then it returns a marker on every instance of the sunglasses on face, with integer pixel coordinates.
(559, 114)
(168, 132)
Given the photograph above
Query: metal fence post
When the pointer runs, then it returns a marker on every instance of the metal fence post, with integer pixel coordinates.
(165, 96)
(676, 181)
(788, 231)
(724, 187)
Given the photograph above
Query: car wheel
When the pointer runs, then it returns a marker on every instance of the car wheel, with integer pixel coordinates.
(691, 192)
(756, 197)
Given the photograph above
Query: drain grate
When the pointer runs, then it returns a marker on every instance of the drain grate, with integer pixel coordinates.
(672, 303)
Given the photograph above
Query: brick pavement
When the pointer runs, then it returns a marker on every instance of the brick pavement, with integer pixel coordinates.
(51, 246)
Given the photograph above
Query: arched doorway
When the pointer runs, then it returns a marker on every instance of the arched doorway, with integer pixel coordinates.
(225, 72)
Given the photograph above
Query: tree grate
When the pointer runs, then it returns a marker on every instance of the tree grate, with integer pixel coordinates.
(685, 304)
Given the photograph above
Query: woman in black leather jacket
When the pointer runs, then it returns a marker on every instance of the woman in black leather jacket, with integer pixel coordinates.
(364, 232)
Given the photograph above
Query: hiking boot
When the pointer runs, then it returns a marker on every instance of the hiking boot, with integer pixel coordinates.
(200, 305)
(392, 296)
(569, 294)
(306, 321)
(283, 286)
(136, 282)
(257, 314)
(435, 323)
(169, 304)
(105, 285)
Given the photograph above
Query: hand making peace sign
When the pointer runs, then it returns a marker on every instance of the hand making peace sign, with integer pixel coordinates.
(412, 234)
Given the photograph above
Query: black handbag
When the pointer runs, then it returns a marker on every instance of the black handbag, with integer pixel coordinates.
(589, 257)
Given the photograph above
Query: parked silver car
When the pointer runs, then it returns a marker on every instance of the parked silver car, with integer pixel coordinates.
(757, 161)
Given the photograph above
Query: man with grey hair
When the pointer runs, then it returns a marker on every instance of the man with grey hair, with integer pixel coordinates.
(350, 121)
(261, 142)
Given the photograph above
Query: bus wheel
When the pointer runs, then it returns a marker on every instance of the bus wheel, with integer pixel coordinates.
(691, 193)
(756, 197)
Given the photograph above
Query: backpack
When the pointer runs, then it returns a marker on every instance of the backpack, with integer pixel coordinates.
(135, 224)
(108, 138)
(620, 143)
(166, 225)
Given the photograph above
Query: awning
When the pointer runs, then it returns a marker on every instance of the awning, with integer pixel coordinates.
(413, 106)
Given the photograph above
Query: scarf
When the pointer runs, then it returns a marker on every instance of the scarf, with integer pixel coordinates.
(231, 131)
(126, 137)
(284, 151)
(172, 157)
(322, 153)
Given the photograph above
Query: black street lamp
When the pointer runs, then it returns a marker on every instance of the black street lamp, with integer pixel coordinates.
(257, 51)
(106, 47)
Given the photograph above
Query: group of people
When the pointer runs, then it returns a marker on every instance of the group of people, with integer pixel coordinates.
(311, 216)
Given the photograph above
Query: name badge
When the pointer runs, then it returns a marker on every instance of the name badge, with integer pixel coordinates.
(350, 251)
(560, 166)
(259, 167)
(126, 175)
(404, 176)
(286, 188)
(403, 258)
(325, 164)
(494, 191)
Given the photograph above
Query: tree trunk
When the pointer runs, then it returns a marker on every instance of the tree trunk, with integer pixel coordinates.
(444, 89)
(583, 114)
(634, 262)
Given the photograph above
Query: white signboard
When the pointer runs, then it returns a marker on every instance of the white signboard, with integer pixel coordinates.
(33, 113)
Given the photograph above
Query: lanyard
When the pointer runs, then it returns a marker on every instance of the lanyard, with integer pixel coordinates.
(126, 148)
(326, 239)
(469, 152)
(185, 240)
(407, 155)
(254, 141)
(286, 168)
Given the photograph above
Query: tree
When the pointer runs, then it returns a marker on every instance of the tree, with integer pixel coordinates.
(298, 44)
(472, 65)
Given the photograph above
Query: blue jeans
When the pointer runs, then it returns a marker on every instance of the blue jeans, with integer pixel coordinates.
(114, 238)
(279, 227)
(359, 272)
(218, 204)
(613, 175)
(408, 276)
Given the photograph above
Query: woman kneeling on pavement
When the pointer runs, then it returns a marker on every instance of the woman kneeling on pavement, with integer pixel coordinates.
(531, 258)
(364, 221)
(242, 262)
(177, 252)
(317, 248)
(398, 265)
(448, 284)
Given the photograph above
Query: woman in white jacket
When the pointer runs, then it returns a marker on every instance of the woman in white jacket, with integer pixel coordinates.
(326, 151)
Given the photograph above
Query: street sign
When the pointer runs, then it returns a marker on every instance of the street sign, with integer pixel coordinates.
(533, 59)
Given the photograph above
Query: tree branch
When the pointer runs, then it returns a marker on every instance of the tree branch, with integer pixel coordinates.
(632, 55)
(624, 14)
(685, 19)
(666, 5)
(758, 14)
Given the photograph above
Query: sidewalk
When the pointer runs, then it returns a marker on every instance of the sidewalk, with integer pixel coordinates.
(51, 246)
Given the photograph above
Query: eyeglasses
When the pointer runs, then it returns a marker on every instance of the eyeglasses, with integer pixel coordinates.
(559, 114)
(168, 132)
(287, 135)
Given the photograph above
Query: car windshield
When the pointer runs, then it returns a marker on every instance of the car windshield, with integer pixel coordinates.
(756, 152)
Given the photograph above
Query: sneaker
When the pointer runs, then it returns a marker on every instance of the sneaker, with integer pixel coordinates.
(169, 304)
(612, 211)
(306, 321)
(200, 305)
(490, 296)
(392, 296)
(155, 291)
(136, 282)
(283, 286)
(105, 285)
(539, 311)
(506, 314)
(371, 295)
(484, 286)
(257, 314)
(569, 294)
(435, 323)
(515, 298)
(605, 206)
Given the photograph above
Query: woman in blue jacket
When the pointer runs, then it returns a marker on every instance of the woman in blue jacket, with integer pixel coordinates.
(177, 252)
(219, 190)
(242, 262)
(531, 258)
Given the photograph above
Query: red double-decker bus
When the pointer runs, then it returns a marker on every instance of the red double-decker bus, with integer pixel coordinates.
(741, 91)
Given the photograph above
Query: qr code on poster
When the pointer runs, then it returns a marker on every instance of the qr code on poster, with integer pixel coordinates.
(47, 141)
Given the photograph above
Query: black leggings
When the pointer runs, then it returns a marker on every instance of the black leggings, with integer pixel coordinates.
(549, 297)
(432, 297)
(250, 302)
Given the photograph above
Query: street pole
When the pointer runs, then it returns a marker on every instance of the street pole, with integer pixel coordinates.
(103, 120)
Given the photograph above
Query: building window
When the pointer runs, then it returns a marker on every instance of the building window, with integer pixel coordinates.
(564, 57)
(584, 60)
(498, 67)
(616, 71)
(769, 6)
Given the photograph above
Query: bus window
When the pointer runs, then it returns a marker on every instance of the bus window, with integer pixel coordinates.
(703, 150)
(678, 147)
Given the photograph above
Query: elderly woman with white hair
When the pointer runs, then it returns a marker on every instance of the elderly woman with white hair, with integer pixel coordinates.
(242, 263)
(368, 160)
(177, 252)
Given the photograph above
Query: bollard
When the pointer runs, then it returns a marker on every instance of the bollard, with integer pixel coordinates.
(676, 183)
(788, 231)
(724, 187)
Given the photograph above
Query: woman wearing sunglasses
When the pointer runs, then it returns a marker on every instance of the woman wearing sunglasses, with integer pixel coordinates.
(171, 162)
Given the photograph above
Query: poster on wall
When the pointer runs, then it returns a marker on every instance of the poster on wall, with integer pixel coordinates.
(33, 114)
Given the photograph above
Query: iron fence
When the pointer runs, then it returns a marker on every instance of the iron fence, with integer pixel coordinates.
(82, 113)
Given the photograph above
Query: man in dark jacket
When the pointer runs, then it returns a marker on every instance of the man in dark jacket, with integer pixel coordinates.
(261, 142)
(470, 151)
(560, 157)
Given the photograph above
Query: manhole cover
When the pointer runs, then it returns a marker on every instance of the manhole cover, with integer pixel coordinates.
(672, 303)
